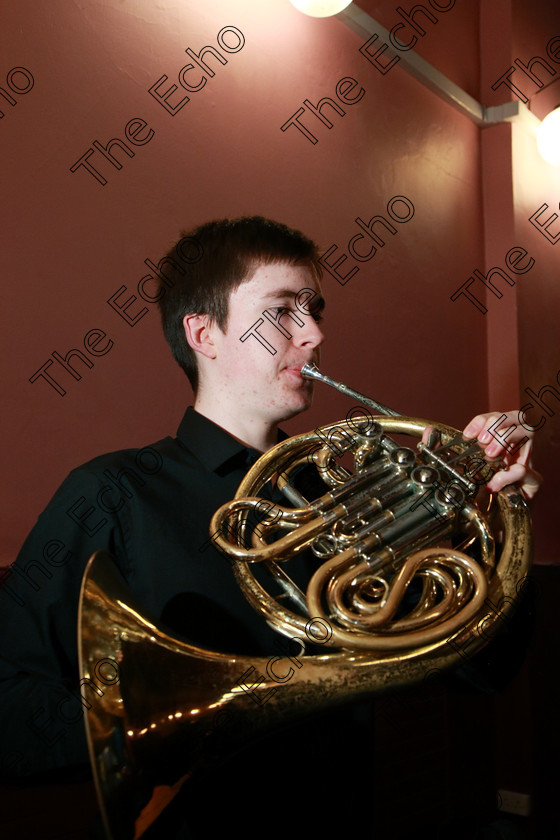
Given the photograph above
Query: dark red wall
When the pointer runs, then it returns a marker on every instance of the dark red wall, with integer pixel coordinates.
(70, 243)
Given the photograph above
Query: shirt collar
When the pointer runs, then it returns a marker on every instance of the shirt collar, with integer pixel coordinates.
(215, 448)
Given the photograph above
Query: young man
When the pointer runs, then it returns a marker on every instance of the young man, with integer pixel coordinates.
(151, 508)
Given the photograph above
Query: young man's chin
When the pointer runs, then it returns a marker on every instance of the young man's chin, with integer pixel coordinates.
(297, 407)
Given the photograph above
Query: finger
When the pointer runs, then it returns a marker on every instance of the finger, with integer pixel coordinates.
(475, 426)
(493, 425)
(515, 443)
(528, 479)
(501, 436)
(532, 483)
(426, 434)
(482, 426)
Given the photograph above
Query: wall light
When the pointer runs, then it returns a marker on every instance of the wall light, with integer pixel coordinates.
(320, 8)
(548, 137)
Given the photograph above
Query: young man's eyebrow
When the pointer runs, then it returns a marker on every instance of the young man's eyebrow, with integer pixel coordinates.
(280, 293)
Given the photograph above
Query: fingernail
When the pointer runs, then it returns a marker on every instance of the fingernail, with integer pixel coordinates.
(485, 437)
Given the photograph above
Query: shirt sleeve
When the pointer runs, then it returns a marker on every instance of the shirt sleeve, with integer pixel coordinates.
(41, 708)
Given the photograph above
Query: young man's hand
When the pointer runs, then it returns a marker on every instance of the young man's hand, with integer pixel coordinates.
(501, 436)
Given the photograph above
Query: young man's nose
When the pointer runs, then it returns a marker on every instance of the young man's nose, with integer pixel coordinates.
(309, 334)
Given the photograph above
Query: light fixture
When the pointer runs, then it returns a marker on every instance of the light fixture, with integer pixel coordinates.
(548, 137)
(320, 8)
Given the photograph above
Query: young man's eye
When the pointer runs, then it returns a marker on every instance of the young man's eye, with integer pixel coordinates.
(282, 310)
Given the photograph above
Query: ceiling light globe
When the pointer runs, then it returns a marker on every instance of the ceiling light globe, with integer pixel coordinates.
(320, 8)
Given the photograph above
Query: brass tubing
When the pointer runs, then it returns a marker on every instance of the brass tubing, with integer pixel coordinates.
(414, 639)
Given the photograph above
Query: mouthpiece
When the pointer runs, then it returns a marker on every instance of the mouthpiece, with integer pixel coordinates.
(311, 371)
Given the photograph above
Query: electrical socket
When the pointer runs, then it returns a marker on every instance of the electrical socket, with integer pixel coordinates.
(512, 802)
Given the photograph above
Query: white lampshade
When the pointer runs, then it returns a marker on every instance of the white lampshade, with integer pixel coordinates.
(320, 8)
(548, 137)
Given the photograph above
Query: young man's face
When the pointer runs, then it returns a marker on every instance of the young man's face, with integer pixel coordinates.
(266, 384)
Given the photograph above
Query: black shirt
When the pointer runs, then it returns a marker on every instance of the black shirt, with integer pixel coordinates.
(150, 508)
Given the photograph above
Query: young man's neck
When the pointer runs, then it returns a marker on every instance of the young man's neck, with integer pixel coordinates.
(254, 432)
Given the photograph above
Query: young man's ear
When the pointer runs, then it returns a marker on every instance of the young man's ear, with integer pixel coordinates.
(199, 334)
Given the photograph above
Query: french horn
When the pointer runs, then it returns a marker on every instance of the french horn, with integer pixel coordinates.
(416, 568)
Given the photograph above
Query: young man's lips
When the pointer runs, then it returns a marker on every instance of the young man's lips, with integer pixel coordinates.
(295, 369)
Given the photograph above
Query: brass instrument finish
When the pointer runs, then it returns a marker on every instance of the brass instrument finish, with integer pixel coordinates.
(392, 520)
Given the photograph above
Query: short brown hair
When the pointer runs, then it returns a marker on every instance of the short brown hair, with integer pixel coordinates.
(210, 262)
